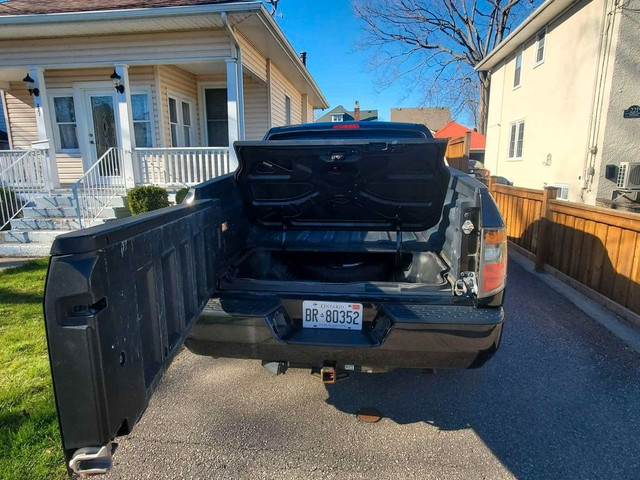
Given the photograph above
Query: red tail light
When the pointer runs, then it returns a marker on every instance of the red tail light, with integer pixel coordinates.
(493, 261)
(345, 126)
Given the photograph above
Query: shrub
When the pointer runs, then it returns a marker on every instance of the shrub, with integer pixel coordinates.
(8, 204)
(180, 194)
(147, 198)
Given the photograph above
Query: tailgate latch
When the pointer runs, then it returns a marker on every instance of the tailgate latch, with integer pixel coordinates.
(467, 284)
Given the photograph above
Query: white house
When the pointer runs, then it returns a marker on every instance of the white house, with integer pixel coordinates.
(132, 92)
(561, 111)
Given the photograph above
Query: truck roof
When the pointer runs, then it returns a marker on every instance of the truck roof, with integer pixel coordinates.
(349, 130)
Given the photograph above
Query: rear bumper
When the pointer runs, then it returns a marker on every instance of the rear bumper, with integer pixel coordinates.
(413, 336)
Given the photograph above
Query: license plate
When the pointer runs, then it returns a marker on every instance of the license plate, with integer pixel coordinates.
(340, 315)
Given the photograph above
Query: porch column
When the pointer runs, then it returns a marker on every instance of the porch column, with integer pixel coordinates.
(127, 137)
(44, 121)
(232, 110)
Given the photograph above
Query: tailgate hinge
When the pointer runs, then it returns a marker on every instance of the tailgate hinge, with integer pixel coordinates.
(89, 461)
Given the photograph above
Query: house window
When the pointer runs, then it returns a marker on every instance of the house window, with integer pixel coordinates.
(518, 70)
(66, 132)
(563, 190)
(540, 42)
(337, 117)
(516, 140)
(141, 112)
(287, 110)
(217, 118)
(181, 122)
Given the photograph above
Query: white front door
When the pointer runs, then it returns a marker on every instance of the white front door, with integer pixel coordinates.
(102, 125)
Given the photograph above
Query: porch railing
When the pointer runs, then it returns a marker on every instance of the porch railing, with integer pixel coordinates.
(182, 166)
(23, 175)
(95, 190)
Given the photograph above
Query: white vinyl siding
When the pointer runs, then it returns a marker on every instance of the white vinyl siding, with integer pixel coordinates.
(256, 111)
(253, 59)
(281, 88)
(21, 116)
(127, 49)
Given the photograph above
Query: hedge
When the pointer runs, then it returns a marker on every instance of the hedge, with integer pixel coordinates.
(147, 198)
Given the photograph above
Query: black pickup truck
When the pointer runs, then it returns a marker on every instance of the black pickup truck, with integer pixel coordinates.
(345, 246)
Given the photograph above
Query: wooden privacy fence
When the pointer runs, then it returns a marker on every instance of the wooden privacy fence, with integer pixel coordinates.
(596, 247)
(457, 153)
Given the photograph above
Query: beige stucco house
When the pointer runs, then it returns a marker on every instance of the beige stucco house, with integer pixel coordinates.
(131, 92)
(563, 87)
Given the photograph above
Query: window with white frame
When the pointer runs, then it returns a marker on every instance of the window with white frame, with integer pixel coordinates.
(517, 73)
(142, 126)
(65, 133)
(337, 117)
(563, 190)
(287, 110)
(516, 140)
(181, 122)
(540, 44)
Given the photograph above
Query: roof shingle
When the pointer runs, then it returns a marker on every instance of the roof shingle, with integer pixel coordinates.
(33, 7)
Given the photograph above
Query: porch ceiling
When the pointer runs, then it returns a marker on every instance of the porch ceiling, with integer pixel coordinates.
(11, 75)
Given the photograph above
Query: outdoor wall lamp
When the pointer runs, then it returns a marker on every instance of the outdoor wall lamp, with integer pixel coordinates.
(29, 83)
(116, 81)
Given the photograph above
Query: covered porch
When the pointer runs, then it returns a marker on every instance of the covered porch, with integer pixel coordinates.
(168, 124)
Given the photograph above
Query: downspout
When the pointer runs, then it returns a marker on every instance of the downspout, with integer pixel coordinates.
(238, 58)
(604, 46)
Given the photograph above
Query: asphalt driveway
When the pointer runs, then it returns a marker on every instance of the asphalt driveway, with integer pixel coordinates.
(561, 399)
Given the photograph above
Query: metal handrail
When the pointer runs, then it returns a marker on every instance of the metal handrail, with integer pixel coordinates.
(103, 182)
(20, 182)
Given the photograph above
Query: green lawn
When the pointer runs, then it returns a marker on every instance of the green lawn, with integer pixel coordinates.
(30, 445)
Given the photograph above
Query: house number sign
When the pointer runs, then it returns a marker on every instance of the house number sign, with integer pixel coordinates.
(632, 112)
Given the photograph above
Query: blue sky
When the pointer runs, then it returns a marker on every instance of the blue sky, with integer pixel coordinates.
(328, 31)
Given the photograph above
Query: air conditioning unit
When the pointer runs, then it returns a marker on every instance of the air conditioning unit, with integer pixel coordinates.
(629, 175)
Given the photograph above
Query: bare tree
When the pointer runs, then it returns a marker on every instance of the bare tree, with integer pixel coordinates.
(435, 45)
(274, 6)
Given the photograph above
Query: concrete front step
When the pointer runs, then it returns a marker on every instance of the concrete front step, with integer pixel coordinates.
(71, 212)
(32, 236)
(63, 201)
(48, 223)
(25, 249)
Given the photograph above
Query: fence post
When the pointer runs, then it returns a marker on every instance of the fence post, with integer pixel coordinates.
(544, 232)
(491, 183)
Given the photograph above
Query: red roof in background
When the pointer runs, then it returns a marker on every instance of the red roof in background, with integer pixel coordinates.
(455, 130)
